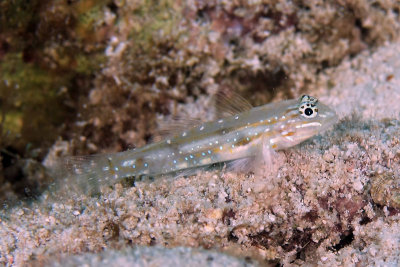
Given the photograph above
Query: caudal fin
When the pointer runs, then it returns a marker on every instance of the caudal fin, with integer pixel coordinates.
(84, 174)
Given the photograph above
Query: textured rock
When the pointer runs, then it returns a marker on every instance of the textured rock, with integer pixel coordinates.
(321, 205)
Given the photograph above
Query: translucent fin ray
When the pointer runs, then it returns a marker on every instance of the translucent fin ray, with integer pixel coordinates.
(82, 173)
(174, 127)
(243, 165)
(229, 103)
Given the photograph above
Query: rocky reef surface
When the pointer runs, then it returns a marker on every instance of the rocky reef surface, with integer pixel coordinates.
(120, 68)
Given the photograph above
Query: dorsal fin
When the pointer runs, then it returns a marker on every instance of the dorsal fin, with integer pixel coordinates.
(174, 126)
(229, 103)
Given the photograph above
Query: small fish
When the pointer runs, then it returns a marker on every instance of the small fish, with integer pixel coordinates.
(238, 136)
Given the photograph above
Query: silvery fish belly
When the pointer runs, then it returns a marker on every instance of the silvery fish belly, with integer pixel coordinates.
(273, 127)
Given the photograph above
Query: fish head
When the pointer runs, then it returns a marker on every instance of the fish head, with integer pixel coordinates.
(305, 118)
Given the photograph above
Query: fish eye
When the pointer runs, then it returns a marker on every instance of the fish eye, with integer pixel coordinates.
(308, 112)
(308, 107)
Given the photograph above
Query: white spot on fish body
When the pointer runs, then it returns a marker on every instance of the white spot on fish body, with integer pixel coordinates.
(220, 121)
(184, 134)
(169, 141)
(127, 163)
(236, 117)
(202, 128)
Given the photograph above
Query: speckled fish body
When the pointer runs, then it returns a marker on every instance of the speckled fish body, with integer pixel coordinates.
(273, 126)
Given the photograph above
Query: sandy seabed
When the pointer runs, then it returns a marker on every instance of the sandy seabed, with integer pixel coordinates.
(334, 201)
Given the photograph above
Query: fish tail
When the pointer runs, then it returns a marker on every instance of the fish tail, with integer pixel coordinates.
(85, 174)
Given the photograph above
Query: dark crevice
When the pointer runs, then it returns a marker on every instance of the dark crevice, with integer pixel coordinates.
(113, 7)
(232, 237)
(299, 240)
(345, 239)
(364, 31)
(365, 220)
(261, 87)
(227, 215)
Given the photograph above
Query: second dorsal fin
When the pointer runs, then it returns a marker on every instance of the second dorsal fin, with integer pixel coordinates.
(175, 126)
(227, 103)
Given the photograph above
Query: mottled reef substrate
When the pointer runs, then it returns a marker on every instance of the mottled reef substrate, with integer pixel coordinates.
(323, 206)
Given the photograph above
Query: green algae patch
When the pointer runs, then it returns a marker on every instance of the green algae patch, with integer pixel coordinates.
(152, 18)
(13, 122)
(34, 107)
(49, 53)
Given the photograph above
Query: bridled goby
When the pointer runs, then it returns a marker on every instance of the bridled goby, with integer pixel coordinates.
(252, 132)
